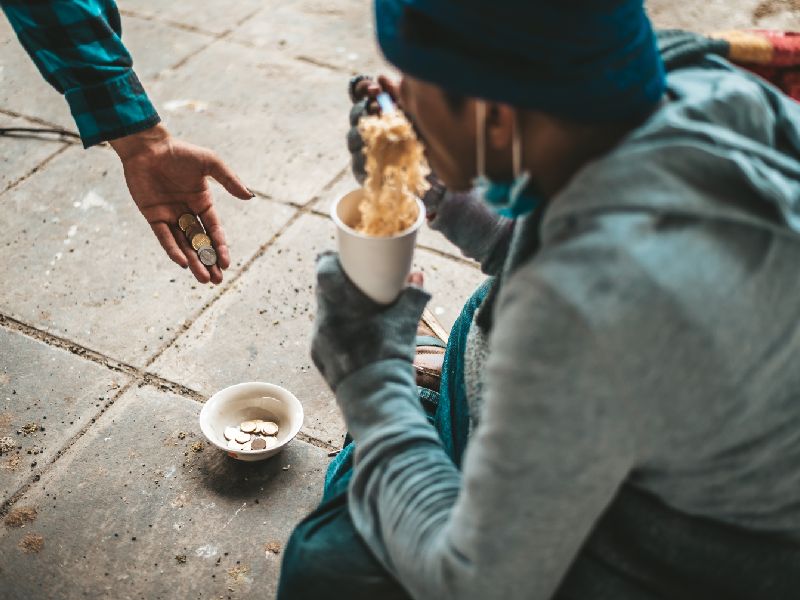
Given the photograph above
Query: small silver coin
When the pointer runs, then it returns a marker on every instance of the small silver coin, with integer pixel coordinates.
(234, 445)
(248, 426)
(230, 433)
(243, 437)
(269, 428)
(207, 255)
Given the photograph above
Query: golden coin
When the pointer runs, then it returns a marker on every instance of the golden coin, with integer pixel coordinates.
(269, 428)
(186, 220)
(234, 445)
(248, 426)
(199, 240)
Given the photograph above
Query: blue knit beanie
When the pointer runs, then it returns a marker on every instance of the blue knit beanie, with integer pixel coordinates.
(586, 60)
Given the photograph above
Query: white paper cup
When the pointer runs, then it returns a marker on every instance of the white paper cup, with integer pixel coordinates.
(378, 266)
(247, 401)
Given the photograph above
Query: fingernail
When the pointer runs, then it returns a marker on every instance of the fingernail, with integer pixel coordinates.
(249, 191)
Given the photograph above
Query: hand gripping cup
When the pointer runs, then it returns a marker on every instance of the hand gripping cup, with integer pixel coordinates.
(378, 266)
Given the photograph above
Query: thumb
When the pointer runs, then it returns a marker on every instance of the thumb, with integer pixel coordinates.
(390, 86)
(413, 300)
(227, 178)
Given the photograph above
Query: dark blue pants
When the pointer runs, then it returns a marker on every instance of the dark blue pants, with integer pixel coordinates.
(325, 556)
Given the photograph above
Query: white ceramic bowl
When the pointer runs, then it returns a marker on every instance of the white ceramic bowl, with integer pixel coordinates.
(247, 401)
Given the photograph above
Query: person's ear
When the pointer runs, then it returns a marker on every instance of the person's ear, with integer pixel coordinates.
(499, 125)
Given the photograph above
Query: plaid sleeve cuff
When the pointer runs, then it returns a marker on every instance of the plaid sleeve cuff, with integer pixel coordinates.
(111, 109)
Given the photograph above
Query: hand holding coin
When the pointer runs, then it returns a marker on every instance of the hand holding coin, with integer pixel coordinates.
(198, 239)
(167, 178)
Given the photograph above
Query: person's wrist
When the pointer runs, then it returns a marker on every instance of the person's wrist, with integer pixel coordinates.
(143, 141)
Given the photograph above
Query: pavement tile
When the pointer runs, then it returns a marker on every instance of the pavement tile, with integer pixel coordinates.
(777, 14)
(156, 47)
(50, 388)
(87, 266)
(450, 282)
(132, 495)
(279, 122)
(18, 157)
(263, 326)
(22, 88)
(719, 15)
(339, 34)
(215, 17)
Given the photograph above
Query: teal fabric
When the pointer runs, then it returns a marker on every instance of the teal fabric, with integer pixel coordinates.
(77, 46)
(452, 414)
(596, 60)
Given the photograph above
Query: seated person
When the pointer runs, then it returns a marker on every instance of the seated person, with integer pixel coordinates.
(618, 416)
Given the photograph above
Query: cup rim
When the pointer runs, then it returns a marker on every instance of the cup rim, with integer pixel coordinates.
(344, 226)
(286, 396)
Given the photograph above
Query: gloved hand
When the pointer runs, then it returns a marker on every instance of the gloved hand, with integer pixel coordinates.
(351, 331)
(355, 144)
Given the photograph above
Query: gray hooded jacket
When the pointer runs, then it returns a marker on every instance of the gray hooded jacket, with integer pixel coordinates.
(640, 429)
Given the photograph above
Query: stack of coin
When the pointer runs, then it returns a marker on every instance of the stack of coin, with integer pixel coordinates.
(252, 435)
(197, 237)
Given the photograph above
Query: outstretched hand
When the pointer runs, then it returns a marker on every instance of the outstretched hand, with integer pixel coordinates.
(167, 178)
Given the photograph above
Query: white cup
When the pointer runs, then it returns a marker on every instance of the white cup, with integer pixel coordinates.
(378, 266)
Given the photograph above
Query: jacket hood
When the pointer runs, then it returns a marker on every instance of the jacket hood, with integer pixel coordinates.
(725, 144)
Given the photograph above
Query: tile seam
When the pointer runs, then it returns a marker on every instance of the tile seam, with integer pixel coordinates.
(218, 37)
(138, 377)
(126, 12)
(16, 183)
(45, 469)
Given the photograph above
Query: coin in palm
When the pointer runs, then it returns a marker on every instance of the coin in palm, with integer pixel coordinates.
(200, 240)
(187, 220)
(208, 256)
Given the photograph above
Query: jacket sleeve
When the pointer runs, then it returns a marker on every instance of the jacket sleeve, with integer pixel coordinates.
(474, 228)
(77, 47)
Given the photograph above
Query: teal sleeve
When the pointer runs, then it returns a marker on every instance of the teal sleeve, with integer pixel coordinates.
(77, 47)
